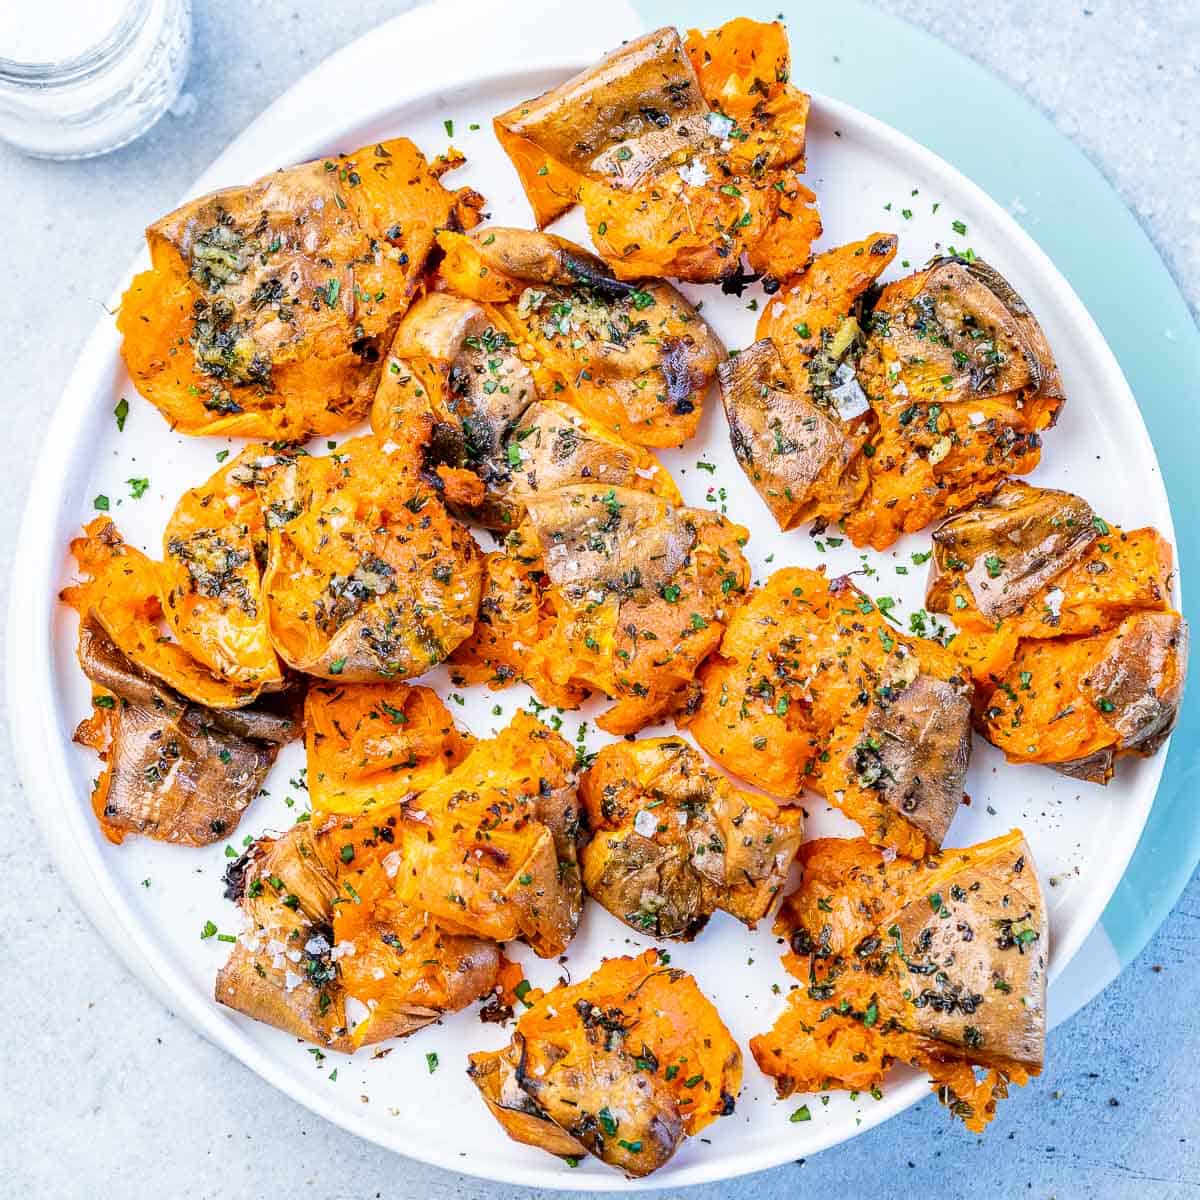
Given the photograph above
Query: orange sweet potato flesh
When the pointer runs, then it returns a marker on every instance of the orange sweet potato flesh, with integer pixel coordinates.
(642, 648)
(121, 589)
(625, 1064)
(212, 592)
(683, 155)
(812, 687)
(937, 962)
(368, 577)
(371, 745)
(245, 326)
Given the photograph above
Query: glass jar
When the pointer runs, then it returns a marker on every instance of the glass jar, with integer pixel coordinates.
(81, 77)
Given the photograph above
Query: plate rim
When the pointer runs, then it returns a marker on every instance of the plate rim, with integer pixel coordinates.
(41, 774)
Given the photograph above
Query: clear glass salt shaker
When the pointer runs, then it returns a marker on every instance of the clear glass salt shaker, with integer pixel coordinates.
(82, 77)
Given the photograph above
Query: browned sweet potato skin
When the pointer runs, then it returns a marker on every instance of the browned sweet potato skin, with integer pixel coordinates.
(938, 962)
(812, 687)
(625, 1064)
(173, 770)
(243, 325)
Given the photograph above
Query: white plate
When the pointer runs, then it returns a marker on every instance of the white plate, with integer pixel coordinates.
(152, 900)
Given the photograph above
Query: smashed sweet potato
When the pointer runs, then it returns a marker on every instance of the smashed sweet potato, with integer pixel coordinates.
(174, 770)
(889, 411)
(813, 687)
(368, 577)
(121, 589)
(963, 385)
(214, 546)
(673, 840)
(632, 354)
(1079, 703)
(610, 590)
(684, 156)
(268, 308)
(939, 962)
(1067, 626)
(624, 1065)
(330, 955)
(492, 848)
(798, 418)
(370, 745)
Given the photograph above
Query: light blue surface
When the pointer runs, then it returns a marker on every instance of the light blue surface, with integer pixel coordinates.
(107, 1093)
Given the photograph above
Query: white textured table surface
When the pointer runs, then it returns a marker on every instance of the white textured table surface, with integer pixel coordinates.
(106, 1093)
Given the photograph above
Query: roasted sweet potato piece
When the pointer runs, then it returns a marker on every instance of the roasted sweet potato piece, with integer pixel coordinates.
(614, 590)
(682, 155)
(813, 687)
(1067, 628)
(939, 962)
(962, 384)
(798, 418)
(368, 577)
(121, 589)
(330, 955)
(268, 307)
(640, 105)
(491, 849)
(173, 770)
(1079, 703)
(633, 355)
(375, 744)
(214, 546)
(673, 840)
(623, 1065)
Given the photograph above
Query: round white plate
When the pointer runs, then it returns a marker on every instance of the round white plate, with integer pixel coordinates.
(152, 900)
